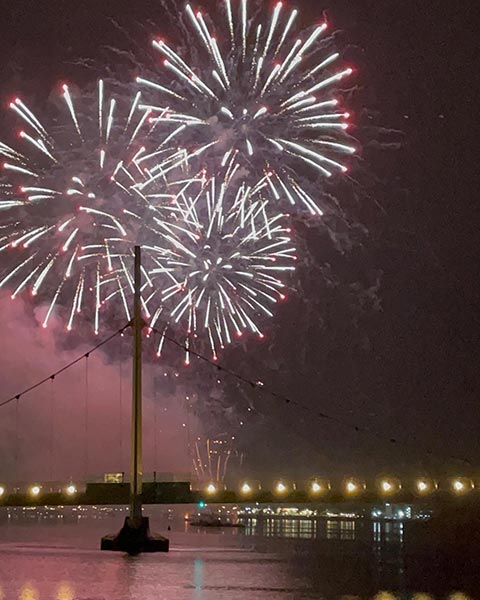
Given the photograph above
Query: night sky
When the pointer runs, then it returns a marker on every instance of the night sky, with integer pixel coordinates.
(393, 344)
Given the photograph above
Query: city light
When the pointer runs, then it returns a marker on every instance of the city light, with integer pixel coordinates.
(71, 490)
(35, 490)
(211, 489)
(316, 488)
(281, 488)
(390, 486)
(2, 490)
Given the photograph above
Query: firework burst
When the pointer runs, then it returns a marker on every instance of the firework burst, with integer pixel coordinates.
(217, 257)
(69, 197)
(253, 92)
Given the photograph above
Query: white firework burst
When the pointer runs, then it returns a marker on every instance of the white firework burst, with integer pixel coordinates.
(255, 93)
(217, 261)
(69, 196)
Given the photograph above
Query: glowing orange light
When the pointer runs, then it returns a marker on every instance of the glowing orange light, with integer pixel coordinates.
(35, 490)
(211, 489)
(246, 489)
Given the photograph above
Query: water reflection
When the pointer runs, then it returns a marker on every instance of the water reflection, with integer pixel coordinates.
(28, 592)
(50, 554)
(65, 591)
(340, 530)
(198, 579)
(378, 532)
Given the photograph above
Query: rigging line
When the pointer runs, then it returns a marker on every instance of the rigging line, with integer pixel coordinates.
(71, 364)
(321, 415)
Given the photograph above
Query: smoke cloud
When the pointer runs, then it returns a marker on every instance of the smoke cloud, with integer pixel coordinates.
(78, 425)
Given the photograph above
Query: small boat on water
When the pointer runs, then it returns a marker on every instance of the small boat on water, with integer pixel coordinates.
(213, 520)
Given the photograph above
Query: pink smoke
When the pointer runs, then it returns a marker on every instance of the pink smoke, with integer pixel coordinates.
(43, 436)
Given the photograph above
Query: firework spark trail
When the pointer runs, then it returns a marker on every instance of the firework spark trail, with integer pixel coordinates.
(68, 194)
(255, 93)
(211, 465)
(216, 261)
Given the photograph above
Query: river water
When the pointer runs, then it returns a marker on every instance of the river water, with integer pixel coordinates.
(53, 554)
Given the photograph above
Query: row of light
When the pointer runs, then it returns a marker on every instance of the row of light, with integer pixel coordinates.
(350, 487)
(317, 487)
(35, 490)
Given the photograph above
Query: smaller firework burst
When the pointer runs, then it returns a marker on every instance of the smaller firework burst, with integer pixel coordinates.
(211, 459)
(217, 262)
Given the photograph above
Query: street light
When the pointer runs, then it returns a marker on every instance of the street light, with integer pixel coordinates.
(389, 486)
(422, 486)
(353, 486)
(461, 485)
(317, 486)
(2, 490)
(211, 489)
(35, 490)
(426, 486)
(71, 490)
(246, 489)
(281, 488)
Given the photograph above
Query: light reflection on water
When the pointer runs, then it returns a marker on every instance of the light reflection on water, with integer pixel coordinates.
(28, 592)
(53, 555)
(378, 532)
(302, 528)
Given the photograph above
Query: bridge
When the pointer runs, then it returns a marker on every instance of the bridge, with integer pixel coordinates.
(161, 488)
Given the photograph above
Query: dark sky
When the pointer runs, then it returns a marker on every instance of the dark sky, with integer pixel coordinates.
(411, 369)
